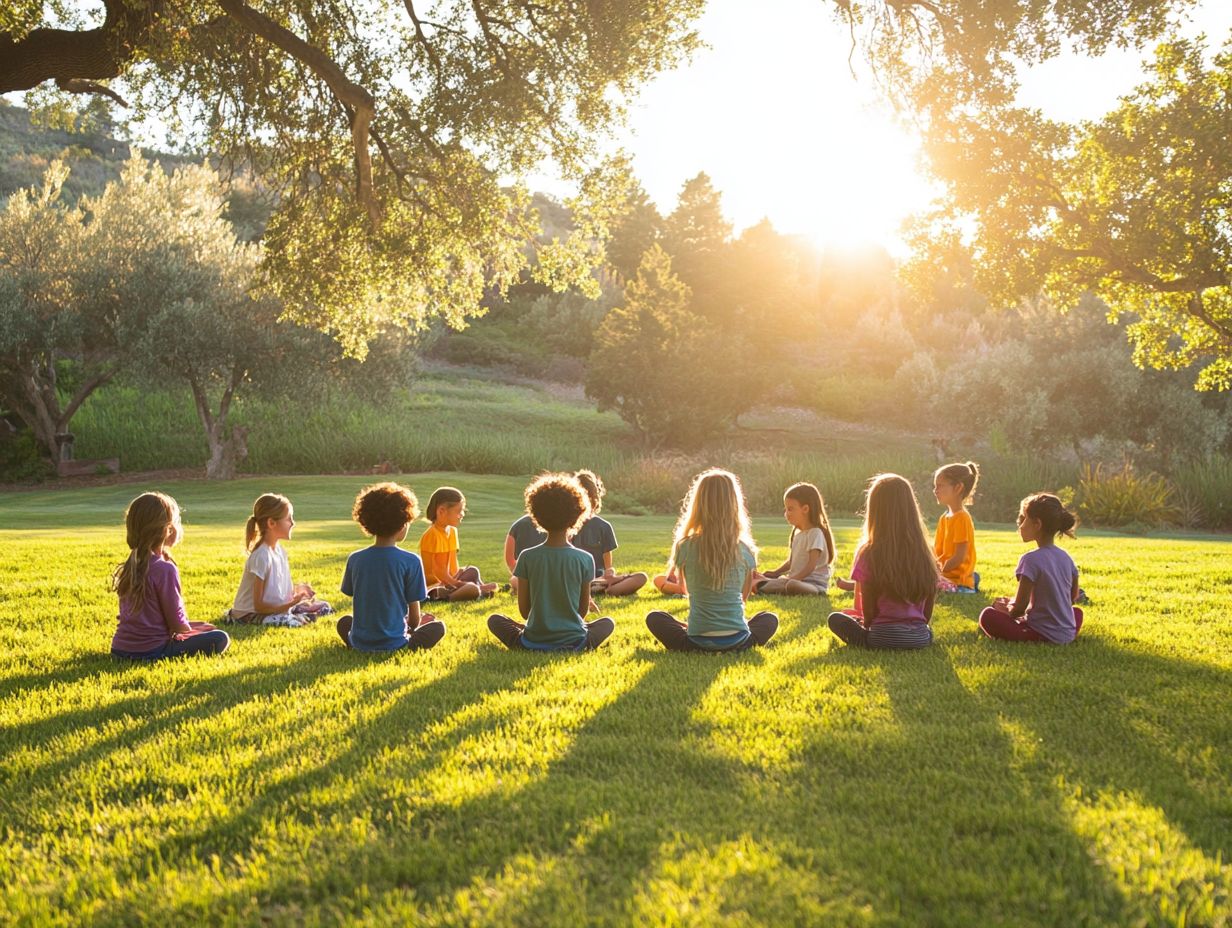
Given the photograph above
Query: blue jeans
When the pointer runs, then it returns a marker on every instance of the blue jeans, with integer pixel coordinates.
(211, 642)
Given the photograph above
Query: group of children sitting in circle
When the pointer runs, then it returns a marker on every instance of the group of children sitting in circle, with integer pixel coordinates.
(560, 558)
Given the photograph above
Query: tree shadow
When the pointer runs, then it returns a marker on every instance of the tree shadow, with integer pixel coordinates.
(874, 826)
(1120, 721)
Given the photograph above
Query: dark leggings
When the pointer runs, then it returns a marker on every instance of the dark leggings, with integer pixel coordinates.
(421, 638)
(509, 633)
(674, 635)
(997, 624)
(214, 641)
(896, 636)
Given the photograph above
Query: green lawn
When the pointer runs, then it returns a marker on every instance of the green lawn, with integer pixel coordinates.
(293, 782)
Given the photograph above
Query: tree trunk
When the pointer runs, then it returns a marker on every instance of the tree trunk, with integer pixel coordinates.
(227, 448)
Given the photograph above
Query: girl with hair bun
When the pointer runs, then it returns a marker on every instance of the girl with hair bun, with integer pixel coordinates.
(1043, 609)
(954, 545)
(266, 595)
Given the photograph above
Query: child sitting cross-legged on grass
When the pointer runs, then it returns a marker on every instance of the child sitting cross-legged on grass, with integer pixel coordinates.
(152, 624)
(266, 595)
(806, 572)
(597, 537)
(438, 546)
(895, 573)
(386, 582)
(553, 578)
(954, 546)
(714, 556)
(1043, 609)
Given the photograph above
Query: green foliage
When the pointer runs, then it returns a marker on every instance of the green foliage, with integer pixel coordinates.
(663, 369)
(384, 134)
(1124, 497)
(1059, 385)
(803, 784)
(81, 282)
(637, 227)
(696, 235)
(1133, 208)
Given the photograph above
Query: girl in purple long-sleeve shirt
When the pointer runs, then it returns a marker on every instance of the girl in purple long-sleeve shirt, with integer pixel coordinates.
(152, 623)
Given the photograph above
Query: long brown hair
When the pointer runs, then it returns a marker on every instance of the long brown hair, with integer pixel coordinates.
(895, 545)
(268, 507)
(808, 495)
(145, 524)
(715, 515)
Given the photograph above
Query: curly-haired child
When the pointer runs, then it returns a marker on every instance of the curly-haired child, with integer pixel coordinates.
(554, 578)
(387, 583)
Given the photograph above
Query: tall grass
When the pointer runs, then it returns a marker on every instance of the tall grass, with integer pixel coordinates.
(455, 421)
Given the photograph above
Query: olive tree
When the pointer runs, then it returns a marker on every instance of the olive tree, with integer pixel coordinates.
(78, 285)
(385, 133)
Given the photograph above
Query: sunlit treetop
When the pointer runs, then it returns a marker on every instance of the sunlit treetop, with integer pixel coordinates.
(939, 53)
(385, 131)
(1135, 207)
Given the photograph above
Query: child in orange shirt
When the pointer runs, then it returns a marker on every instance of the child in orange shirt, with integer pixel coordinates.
(438, 547)
(954, 485)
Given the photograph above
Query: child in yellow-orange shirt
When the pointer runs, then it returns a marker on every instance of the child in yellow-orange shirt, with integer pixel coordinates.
(953, 485)
(438, 548)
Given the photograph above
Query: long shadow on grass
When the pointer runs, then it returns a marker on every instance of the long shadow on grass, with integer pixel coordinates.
(298, 797)
(641, 737)
(932, 812)
(1115, 720)
(146, 715)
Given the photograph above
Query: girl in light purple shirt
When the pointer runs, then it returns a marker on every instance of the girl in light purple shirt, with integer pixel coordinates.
(152, 623)
(1043, 609)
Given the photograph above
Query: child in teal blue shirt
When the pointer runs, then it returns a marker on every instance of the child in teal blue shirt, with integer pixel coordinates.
(715, 558)
(553, 577)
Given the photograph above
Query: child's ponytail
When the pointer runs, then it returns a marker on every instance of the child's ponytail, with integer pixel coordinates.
(145, 528)
(965, 476)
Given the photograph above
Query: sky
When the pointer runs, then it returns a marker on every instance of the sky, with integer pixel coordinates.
(772, 113)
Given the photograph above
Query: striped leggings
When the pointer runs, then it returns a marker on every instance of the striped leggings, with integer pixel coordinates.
(899, 636)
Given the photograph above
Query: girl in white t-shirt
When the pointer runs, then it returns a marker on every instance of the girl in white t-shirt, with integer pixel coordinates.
(806, 572)
(266, 595)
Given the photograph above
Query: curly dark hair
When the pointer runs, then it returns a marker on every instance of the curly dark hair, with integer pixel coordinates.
(594, 489)
(557, 501)
(383, 508)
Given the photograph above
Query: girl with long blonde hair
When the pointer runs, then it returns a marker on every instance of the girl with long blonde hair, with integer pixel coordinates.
(152, 623)
(267, 595)
(895, 572)
(714, 556)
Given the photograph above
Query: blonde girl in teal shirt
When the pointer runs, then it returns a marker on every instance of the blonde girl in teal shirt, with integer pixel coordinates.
(714, 555)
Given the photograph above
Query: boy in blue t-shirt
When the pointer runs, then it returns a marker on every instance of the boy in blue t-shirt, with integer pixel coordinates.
(554, 577)
(386, 582)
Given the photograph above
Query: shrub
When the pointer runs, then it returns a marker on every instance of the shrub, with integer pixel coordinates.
(1123, 497)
